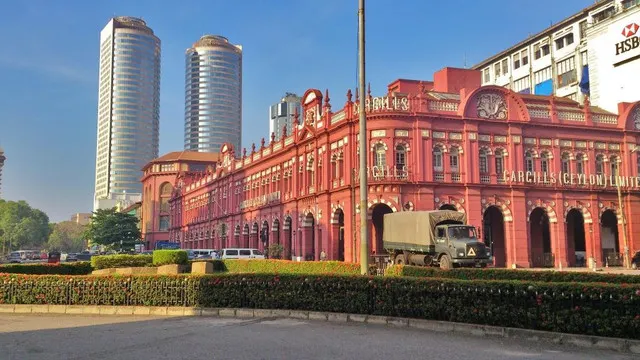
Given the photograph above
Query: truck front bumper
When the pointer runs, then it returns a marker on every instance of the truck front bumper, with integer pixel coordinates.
(471, 262)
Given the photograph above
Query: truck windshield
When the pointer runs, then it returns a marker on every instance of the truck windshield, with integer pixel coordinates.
(462, 232)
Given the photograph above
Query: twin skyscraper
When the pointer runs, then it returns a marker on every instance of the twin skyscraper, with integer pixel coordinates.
(129, 103)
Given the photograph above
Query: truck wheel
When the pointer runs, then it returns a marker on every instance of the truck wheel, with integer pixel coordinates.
(401, 259)
(445, 262)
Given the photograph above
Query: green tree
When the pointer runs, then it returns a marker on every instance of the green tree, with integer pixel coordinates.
(21, 226)
(113, 229)
(66, 236)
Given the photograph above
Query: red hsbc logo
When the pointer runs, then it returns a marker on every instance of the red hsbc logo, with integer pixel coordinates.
(632, 41)
(630, 30)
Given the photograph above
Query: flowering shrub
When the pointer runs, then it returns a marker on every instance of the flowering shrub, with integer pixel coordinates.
(507, 274)
(592, 309)
(120, 261)
(286, 267)
(169, 257)
(76, 268)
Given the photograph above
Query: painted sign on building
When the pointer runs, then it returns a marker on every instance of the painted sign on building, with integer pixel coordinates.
(261, 200)
(566, 179)
(383, 103)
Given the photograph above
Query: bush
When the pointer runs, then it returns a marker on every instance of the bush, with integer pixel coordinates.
(591, 309)
(169, 257)
(285, 267)
(507, 274)
(77, 268)
(120, 261)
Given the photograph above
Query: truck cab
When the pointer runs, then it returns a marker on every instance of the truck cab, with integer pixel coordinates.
(458, 245)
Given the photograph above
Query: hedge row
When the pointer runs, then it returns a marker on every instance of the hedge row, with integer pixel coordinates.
(168, 257)
(76, 268)
(592, 309)
(120, 261)
(507, 274)
(285, 267)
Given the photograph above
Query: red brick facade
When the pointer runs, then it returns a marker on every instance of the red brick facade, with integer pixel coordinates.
(532, 173)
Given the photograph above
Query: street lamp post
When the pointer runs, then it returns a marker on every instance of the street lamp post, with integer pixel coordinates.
(364, 248)
(622, 215)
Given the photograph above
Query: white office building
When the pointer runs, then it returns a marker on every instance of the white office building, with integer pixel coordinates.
(590, 53)
(128, 107)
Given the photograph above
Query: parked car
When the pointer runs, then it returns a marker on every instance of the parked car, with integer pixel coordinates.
(71, 257)
(635, 261)
(236, 253)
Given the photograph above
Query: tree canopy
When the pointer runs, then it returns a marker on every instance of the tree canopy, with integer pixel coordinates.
(21, 226)
(113, 229)
(67, 236)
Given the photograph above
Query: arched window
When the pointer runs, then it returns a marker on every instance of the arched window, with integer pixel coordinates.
(544, 162)
(454, 159)
(437, 159)
(613, 161)
(484, 162)
(499, 158)
(401, 157)
(599, 164)
(580, 164)
(380, 159)
(565, 165)
(529, 165)
(165, 189)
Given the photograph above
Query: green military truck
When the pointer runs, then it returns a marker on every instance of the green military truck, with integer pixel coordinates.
(433, 238)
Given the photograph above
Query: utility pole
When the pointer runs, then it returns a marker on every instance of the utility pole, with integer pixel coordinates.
(622, 217)
(362, 123)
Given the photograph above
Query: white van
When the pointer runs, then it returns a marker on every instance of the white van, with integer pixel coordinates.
(205, 254)
(237, 253)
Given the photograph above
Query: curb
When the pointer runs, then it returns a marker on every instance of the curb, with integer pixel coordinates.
(582, 341)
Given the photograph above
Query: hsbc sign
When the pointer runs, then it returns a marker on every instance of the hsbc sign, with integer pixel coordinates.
(632, 41)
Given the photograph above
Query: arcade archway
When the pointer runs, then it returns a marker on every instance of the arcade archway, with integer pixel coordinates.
(540, 237)
(245, 236)
(309, 246)
(494, 236)
(576, 242)
(288, 238)
(253, 239)
(338, 234)
(377, 219)
(264, 236)
(610, 238)
(275, 234)
(448, 207)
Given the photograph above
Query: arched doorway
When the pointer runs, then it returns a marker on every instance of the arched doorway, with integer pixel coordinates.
(264, 236)
(288, 235)
(245, 236)
(275, 235)
(309, 245)
(377, 218)
(493, 233)
(448, 207)
(540, 237)
(236, 236)
(610, 238)
(338, 234)
(253, 239)
(576, 243)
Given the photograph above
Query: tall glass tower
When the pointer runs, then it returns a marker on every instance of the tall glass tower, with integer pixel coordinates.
(128, 106)
(213, 95)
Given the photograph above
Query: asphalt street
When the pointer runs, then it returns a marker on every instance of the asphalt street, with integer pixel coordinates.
(70, 337)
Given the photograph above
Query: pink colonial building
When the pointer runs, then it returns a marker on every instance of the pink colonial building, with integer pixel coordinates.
(537, 175)
(158, 180)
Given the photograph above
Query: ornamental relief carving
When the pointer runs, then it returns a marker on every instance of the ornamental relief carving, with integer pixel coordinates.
(492, 106)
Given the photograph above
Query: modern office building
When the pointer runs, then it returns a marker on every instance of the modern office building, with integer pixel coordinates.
(281, 115)
(128, 107)
(213, 94)
(576, 57)
(81, 218)
(2, 159)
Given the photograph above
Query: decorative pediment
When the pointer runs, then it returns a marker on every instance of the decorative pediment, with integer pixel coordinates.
(491, 105)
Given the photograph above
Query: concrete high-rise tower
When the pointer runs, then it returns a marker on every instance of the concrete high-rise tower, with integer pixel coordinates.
(213, 97)
(2, 159)
(128, 106)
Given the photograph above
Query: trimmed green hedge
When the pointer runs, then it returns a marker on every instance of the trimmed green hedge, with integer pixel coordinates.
(507, 274)
(76, 268)
(120, 261)
(285, 267)
(168, 257)
(592, 309)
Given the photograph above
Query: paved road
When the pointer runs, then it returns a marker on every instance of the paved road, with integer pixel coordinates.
(44, 337)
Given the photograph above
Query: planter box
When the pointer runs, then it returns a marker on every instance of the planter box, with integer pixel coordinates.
(104, 272)
(173, 269)
(137, 271)
(201, 267)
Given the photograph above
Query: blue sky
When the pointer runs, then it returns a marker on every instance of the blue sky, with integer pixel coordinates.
(49, 67)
